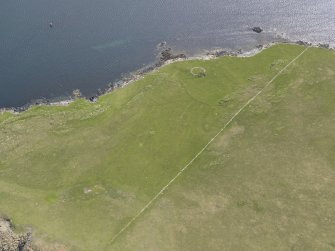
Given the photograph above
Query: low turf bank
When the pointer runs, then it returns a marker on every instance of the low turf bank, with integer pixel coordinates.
(78, 174)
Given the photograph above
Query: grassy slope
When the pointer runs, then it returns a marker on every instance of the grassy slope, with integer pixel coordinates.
(265, 183)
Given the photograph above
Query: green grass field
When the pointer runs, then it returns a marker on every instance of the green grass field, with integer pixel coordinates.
(79, 174)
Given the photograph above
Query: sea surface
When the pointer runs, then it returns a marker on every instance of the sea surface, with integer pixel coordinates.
(92, 43)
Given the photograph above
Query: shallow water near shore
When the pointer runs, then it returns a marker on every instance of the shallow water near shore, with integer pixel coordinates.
(92, 43)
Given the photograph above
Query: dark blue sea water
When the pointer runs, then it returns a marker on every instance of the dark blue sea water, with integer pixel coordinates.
(93, 42)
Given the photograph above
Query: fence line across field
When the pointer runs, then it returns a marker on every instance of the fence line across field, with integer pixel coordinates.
(132, 220)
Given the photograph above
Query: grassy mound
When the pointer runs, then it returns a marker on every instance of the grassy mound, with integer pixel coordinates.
(78, 174)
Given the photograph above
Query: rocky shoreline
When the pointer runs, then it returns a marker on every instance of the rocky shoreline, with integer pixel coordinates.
(9, 239)
(166, 56)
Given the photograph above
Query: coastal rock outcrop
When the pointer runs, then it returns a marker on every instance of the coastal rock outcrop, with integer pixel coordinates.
(300, 42)
(94, 99)
(257, 29)
(325, 46)
(10, 241)
(168, 55)
(223, 52)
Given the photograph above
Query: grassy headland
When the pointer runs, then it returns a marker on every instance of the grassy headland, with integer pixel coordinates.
(77, 174)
